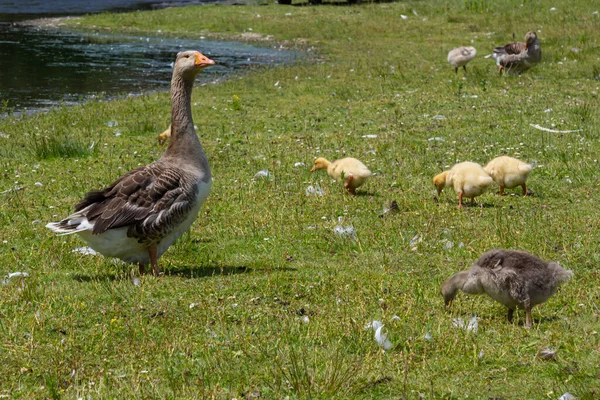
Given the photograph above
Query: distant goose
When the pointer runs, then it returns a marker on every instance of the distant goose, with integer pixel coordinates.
(508, 172)
(139, 216)
(164, 136)
(518, 57)
(513, 278)
(353, 172)
(460, 57)
(467, 178)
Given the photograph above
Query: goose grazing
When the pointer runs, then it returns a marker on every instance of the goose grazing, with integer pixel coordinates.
(468, 179)
(353, 172)
(139, 216)
(514, 278)
(508, 172)
(460, 57)
(163, 137)
(518, 56)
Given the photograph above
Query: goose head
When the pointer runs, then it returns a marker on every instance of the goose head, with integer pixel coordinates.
(320, 163)
(530, 37)
(191, 63)
(440, 181)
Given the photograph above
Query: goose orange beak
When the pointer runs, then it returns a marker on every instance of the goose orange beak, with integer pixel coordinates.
(202, 61)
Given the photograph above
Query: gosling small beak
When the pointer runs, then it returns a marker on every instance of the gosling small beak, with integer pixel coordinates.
(313, 169)
(202, 61)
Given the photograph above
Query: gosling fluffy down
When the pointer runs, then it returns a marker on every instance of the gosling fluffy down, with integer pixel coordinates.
(460, 57)
(353, 172)
(468, 179)
(508, 173)
(513, 278)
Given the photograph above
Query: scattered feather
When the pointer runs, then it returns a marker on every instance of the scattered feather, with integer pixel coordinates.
(541, 128)
(345, 231)
(369, 136)
(38, 184)
(112, 123)
(472, 325)
(11, 275)
(567, 396)
(428, 336)
(314, 191)
(415, 241)
(547, 354)
(395, 317)
(4, 135)
(403, 16)
(393, 208)
(136, 281)
(438, 117)
(436, 139)
(382, 339)
(305, 319)
(87, 251)
(299, 164)
(262, 174)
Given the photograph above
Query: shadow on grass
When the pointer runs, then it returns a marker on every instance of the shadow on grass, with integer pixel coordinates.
(183, 272)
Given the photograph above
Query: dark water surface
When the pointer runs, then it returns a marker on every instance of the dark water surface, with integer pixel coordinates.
(41, 67)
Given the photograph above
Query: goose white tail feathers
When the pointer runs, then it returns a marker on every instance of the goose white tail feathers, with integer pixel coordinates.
(74, 223)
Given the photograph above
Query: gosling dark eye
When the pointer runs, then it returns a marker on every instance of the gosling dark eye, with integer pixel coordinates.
(187, 56)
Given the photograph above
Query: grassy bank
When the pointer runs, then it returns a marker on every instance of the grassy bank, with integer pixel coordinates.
(229, 318)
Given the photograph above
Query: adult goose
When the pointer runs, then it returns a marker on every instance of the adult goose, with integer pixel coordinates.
(518, 56)
(514, 278)
(139, 216)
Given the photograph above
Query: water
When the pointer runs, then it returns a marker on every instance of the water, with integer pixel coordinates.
(41, 67)
(71, 7)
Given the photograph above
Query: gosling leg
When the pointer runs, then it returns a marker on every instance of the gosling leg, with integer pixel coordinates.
(524, 186)
(348, 185)
(460, 200)
(501, 190)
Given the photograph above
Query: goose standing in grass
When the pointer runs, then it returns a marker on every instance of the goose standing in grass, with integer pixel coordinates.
(139, 216)
(513, 278)
(508, 172)
(518, 56)
(467, 178)
(353, 172)
(164, 136)
(460, 57)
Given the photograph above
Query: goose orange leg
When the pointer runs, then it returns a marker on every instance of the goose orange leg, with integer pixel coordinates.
(460, 200)
(152, 252)
(500, 69)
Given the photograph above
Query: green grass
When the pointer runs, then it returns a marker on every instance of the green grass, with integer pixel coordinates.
(226, 320)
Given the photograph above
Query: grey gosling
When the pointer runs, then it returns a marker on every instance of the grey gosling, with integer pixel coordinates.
(514, 278)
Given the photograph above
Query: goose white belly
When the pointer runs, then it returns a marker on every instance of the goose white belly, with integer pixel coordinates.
(116, 243)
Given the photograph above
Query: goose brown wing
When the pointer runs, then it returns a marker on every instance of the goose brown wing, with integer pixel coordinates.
(511, 48)
(147, 200)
